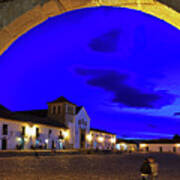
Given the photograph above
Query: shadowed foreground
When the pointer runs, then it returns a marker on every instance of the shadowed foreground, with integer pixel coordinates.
(100, 167)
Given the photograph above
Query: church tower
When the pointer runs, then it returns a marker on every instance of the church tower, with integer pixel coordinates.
(61, 110)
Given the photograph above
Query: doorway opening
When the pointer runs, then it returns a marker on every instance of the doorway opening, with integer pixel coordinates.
(4, 144)
(82, 138)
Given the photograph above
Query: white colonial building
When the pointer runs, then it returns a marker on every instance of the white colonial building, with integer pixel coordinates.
(162, 145)
(126, 145)
(63, 125)
(148, 146)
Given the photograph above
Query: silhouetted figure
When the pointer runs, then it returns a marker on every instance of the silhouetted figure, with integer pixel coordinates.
(145, 170)
(154, 168)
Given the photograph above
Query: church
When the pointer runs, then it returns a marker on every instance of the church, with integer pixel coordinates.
(64, 125)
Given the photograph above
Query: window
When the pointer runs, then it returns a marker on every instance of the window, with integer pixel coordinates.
(85, 123)
(23, 131)
(49, 133)
(61, 135)
(54, 110)
(37, 132)
(160, 149)
(174, 149)
(70, 109)
(59, 109)
(5, 129)
(147, 149)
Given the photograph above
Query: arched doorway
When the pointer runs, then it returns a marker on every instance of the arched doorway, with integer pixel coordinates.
(56, 34)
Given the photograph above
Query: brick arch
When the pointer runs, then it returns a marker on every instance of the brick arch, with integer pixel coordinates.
(40, 12)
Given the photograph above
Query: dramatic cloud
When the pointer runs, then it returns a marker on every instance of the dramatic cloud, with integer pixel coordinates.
(177, 114)
(124, 92)
(106, 43)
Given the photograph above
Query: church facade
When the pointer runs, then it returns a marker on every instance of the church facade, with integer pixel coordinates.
(63, 125)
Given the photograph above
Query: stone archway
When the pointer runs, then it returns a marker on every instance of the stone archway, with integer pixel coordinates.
(39, 11)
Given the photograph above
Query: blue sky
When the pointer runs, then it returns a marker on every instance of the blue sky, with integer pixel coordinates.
(121, 64)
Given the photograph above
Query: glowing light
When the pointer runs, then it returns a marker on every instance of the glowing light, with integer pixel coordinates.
(65, 134)
(46, 141)
(113, 140)
(100, 139)
(118, 147)
(133, 148)
(143, 145)
(89, 137)
(30, 131)
(177, 145)
(123, 146)
(18, 139)
(25, 139)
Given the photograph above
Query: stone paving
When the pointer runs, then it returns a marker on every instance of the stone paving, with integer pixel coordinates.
(88, 167)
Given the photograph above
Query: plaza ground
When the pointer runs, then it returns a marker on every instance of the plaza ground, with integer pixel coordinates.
(85, 166)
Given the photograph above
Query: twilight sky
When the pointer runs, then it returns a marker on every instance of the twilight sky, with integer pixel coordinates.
(121, 64)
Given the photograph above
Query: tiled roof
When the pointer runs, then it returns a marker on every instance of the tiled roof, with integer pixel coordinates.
(39, 113)
(126, 141)
(35, 116)
(38, 119)
(4, 112)
(4, 109)
(78, 108)
(101, 131)
(61, 100)
(161, 141)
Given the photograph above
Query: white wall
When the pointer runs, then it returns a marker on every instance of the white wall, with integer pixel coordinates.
(15, 129)
(81, 116)
(156, 147)
(126, 147)
(106, 143)
(71, 141)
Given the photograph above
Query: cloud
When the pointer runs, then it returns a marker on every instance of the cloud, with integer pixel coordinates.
(152, 126)
(106, 43)
(177, 114)
(125, 93)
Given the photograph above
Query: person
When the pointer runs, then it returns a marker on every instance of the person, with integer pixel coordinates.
(154, 168)
(145, 170)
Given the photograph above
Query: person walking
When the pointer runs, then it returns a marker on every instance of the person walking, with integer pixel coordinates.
(145, 170)
(154, 168)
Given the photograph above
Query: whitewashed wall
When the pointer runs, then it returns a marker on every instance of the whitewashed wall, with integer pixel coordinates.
(15, 129)
(126, 147)
(82, 117)
(106, 143)
(156, 147)
(72, 135)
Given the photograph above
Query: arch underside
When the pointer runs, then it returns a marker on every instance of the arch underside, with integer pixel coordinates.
(41, 13)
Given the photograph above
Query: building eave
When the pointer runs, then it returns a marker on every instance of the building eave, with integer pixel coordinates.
(14, 120)
(102, 131)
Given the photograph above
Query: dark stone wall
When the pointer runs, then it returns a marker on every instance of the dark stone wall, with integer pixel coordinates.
(11, 9)
(175, 4)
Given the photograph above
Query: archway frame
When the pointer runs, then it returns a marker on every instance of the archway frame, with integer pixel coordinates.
(52, 8)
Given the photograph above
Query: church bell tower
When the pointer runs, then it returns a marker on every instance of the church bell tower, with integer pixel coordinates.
(61, 110)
